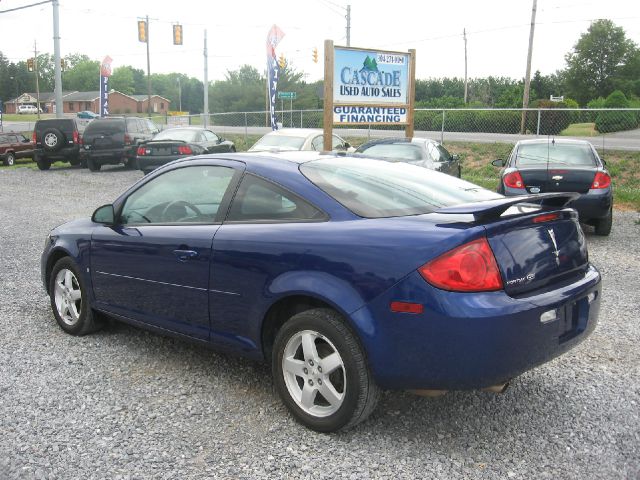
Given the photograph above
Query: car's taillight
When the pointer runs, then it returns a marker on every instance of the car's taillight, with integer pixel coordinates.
(546, 217)
(76, 137)
(601, 180)
(513, 180)
(142, 151)
(471, 267)
(127, 139)
(34, 137)
(185, 150)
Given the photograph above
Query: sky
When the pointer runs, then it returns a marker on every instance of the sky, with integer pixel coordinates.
(497, 32)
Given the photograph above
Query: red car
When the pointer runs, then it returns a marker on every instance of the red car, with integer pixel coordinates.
(14, 145)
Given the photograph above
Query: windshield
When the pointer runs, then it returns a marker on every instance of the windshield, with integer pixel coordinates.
(179, 135)
(394, 151)
(556, 153)
(374, 189)
(279, 141)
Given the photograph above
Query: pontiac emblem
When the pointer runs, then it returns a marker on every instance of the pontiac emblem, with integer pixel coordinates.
(557, 177)
(552, 235)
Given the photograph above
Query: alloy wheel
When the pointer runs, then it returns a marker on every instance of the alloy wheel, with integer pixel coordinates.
(68, 297)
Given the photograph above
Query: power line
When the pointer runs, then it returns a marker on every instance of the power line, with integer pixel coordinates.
(25, 6)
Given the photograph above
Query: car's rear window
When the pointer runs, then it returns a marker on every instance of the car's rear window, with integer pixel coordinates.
(374, 189)
(394, 151)
(282, 141)
(555, 153)
(105, 126)
(179, 135)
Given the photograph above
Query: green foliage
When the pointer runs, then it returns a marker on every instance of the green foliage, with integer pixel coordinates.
(83, 77)
(551, 123)
(616, 121)
(598, 59)
(122, 80)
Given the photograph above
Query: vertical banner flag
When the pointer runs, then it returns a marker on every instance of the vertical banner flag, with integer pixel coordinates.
(273, 38)
(105, 73)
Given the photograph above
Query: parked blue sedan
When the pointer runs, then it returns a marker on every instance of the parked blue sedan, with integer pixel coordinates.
(349, 275)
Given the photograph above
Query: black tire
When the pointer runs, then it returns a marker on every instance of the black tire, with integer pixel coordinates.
(93, 165)
(603, 225)
(9, 159)
(232, 150)
(354, 382)
(53, 139)
(43, 163)
(73, 315)
(131, 164)
(74, 162)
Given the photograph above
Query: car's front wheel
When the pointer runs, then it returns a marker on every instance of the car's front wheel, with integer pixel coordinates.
(321, 373)
(69, 300)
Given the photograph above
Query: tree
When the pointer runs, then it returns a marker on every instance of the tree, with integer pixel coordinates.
(597, 60)
(122, 80)
(83, 77)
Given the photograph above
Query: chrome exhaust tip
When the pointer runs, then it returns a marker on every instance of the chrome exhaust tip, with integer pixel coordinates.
(499, 388)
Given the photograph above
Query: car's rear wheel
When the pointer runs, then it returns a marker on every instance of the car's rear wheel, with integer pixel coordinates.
(43, 163)
(93, 165)
(69, 300)
(9, 159)
(321, 373)
(603, 225)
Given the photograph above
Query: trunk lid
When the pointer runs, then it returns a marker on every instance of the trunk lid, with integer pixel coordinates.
(534, 246)
(558, 178)
(163, 148)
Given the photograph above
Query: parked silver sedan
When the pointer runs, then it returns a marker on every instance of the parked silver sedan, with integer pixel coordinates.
(289, 139)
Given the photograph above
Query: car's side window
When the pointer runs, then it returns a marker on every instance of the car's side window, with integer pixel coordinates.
(185, 195)
(210, 136)
(317, 143)
(260, 200)
(132, 125)
(434, 153)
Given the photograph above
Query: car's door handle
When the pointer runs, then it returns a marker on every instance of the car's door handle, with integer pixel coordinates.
(184, 255)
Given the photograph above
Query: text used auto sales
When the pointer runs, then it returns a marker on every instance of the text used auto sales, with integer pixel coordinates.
(370, 83)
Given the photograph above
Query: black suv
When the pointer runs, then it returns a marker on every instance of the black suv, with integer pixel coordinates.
(56, 139)
(115, 140)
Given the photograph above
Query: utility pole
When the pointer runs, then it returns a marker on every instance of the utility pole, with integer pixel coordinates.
(466, 85)
(206, 82)
(179, 95)
(348, 25)
(56, 59)
(35, 68)
(527, 78)
(148, 73)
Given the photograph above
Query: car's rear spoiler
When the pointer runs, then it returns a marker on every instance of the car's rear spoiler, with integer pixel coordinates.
(492, 209)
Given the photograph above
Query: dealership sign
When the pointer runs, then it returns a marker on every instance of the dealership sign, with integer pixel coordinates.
(368, 77)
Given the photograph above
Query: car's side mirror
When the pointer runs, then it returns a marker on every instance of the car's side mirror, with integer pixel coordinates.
(454, 157)
(105, 215)
(498, 163)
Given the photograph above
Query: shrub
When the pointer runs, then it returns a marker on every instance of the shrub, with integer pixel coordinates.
(616, 121)
(551, 123)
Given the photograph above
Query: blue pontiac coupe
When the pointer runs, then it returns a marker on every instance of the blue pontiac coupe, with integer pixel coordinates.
(349, 275)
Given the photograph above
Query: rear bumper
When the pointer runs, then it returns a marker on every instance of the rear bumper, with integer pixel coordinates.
(65, 154)
(590, 205)
(472, 340)
(110, 155)
(148, 163)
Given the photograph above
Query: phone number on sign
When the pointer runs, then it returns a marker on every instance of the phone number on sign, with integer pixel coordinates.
(390, 59)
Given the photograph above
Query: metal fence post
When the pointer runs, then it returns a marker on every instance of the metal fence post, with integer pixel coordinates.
(245, 127)
(300, 118)
(442, 131)
(538, 130)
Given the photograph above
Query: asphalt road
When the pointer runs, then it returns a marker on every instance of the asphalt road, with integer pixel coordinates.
(127, 404)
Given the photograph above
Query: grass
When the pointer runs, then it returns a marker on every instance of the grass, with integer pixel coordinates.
(580, 130)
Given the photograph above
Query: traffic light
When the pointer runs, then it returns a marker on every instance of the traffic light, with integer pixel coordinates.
(142, 31)
(30, 64)
(282, 61)
(314, 55)
(63, 64)
(177, 34)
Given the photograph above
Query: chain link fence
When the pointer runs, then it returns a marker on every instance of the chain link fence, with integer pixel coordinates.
(468, 124)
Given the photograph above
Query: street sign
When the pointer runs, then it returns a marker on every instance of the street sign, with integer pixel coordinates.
(287, 95)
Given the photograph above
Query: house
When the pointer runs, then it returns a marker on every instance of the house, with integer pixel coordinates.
(158, 104)
(74, 102)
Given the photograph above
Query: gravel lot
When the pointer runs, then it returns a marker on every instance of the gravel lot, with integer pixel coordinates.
(124, 403)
